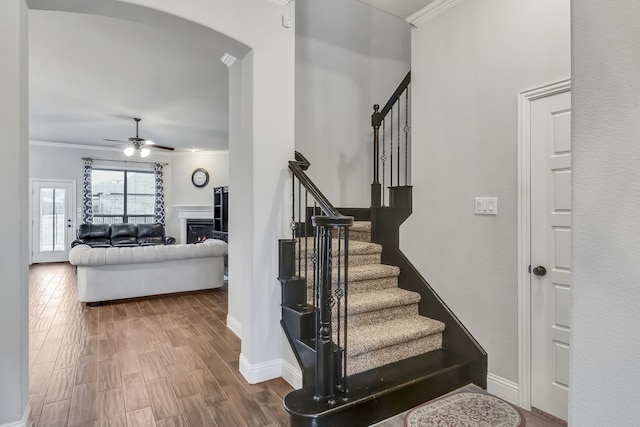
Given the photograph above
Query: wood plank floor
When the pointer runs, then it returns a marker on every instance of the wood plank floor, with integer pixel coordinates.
(165, 361)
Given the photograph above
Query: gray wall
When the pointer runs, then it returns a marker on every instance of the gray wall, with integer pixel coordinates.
(349, 56)
(468, 66)
(49, 161)
(14, 283)
(606, 194)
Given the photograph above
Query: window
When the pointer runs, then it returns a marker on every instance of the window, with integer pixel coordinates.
(122, 196)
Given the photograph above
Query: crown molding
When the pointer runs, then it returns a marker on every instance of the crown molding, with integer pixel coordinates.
(176, 153)
(427, 13)
(74, 146)
(282, 2)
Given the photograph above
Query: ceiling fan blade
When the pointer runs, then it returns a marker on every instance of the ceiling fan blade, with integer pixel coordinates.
(113, 140)
(154, 145)
(161, 147)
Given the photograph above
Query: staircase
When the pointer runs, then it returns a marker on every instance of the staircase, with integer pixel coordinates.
(383, 320)
(371, 336)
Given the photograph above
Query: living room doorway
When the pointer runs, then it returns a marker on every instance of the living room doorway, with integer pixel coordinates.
(53, 219)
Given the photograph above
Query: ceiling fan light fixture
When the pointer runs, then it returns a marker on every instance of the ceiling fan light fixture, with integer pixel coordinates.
(144, 152)
(129, 151)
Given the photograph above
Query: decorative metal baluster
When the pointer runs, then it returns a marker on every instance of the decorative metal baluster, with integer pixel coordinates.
(391, 149)
(338, 293)
(293, 208)
(346, 313)
(306, 237)
(384, 159)
(314, 259)
(398, 169)
(406, 136)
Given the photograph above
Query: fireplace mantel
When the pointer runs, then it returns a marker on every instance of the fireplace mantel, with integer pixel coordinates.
(186, 212)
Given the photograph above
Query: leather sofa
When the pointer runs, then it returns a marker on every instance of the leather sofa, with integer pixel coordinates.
(122, 235)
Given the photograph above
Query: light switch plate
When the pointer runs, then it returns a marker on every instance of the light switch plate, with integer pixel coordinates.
(486, 206)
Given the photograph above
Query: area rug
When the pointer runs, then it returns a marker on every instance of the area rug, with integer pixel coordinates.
(465, 410)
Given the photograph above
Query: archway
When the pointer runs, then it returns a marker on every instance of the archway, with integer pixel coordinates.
(261, 143)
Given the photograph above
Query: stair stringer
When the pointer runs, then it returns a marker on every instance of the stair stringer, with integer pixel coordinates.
(385, 230)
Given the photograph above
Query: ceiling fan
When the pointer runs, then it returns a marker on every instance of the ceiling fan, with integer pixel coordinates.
(140, 144)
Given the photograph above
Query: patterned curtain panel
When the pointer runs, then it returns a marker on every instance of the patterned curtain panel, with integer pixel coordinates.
(159, 205)
(87, 205)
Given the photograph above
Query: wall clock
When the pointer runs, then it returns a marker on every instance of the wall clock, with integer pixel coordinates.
(200, 177)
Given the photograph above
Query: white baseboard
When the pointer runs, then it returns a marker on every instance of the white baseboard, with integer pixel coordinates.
(291, 374)
(503, 388)
(24, 422)
(258, 372)
(234, 325)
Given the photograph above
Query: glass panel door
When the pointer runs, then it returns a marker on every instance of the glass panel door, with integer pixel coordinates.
(53, 223)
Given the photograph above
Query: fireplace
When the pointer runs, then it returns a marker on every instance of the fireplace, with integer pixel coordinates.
(198, 230)
(191, 212)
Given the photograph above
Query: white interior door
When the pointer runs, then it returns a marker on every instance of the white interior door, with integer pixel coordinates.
(550, 252)
(53, 222)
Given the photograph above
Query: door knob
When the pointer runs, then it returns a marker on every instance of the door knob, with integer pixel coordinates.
(539, 271)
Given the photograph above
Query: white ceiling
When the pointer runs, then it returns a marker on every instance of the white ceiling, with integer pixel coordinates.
(400, 8)
(90, 75)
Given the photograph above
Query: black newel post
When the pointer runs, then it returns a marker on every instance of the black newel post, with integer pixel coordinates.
(376, 188)
(324, 344)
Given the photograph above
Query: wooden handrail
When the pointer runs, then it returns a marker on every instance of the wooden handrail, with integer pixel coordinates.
(378, 116)
(297, 167)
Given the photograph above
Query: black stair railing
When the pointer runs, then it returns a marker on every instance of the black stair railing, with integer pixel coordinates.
(391, 144)
(316, 258)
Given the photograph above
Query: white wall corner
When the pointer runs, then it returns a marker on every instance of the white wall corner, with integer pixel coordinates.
(503, 388)
(292, 374)
(24, 422)
(433, 9)
(234, 325)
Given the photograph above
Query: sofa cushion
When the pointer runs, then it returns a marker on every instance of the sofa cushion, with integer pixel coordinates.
(124, 235)
(85, 255)
(150, 234)
(95, 235)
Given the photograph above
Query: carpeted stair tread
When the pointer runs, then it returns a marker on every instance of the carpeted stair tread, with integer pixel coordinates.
(356, 247)
(372, 271)
(360, 231)
(360, 252)
(381, 299)
(361, 226)
(359, 273)
(369, 338)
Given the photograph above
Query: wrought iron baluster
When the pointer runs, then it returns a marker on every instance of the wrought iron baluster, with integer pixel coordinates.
(298, 233)
(391, 149)
(398, 147)
(306, 237)
(384, 159)
(346, 314)
(406, 136)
